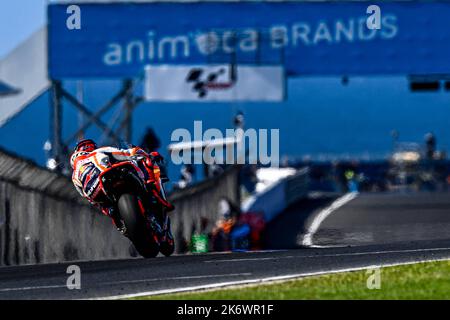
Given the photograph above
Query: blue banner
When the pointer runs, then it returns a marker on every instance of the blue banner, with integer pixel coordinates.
(118, 40)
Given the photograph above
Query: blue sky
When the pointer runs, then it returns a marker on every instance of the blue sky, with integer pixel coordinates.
(320, 116)
(18, 20)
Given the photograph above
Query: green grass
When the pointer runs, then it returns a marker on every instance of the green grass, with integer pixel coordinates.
(430, 280)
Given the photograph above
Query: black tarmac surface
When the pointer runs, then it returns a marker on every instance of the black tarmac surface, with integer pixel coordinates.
(370, 230)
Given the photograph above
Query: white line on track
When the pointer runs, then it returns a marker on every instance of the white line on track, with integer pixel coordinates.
(368, 253)
(180, 278)
(132, 281)
(32, 288)
(307, 238)
(259, 280)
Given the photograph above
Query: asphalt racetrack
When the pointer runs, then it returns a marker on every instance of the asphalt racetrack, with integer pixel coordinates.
(356, 232)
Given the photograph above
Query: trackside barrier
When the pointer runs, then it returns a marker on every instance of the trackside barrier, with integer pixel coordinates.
(296, 186)
(44, 220)
(279, 196)
(197, 206)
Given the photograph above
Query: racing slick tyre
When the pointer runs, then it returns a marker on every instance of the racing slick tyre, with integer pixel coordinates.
(135, 226)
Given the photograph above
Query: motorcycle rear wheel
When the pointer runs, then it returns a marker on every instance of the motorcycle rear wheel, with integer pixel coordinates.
(137, 232)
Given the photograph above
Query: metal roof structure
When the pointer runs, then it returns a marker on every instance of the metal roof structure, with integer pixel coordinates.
(24, 68)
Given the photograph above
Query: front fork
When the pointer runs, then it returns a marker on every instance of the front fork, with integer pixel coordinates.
(161, 227)
(164, 209)
(162, 190)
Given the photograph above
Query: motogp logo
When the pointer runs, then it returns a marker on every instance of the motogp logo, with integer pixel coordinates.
(202, 82)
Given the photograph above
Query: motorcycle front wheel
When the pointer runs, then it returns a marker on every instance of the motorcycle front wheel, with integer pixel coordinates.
(134, 221)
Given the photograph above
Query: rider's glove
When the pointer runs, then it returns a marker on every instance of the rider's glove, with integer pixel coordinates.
(156, 156)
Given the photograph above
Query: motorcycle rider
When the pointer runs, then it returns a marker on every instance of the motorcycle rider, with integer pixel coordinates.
(88, 162)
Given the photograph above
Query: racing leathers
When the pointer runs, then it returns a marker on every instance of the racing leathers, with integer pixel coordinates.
(87, 167)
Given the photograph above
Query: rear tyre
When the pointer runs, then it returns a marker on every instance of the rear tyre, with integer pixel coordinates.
(136, 226)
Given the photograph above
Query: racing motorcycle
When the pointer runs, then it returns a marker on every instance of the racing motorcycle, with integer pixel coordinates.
(141, 208)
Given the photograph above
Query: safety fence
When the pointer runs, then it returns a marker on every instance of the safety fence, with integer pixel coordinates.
(44, 220)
